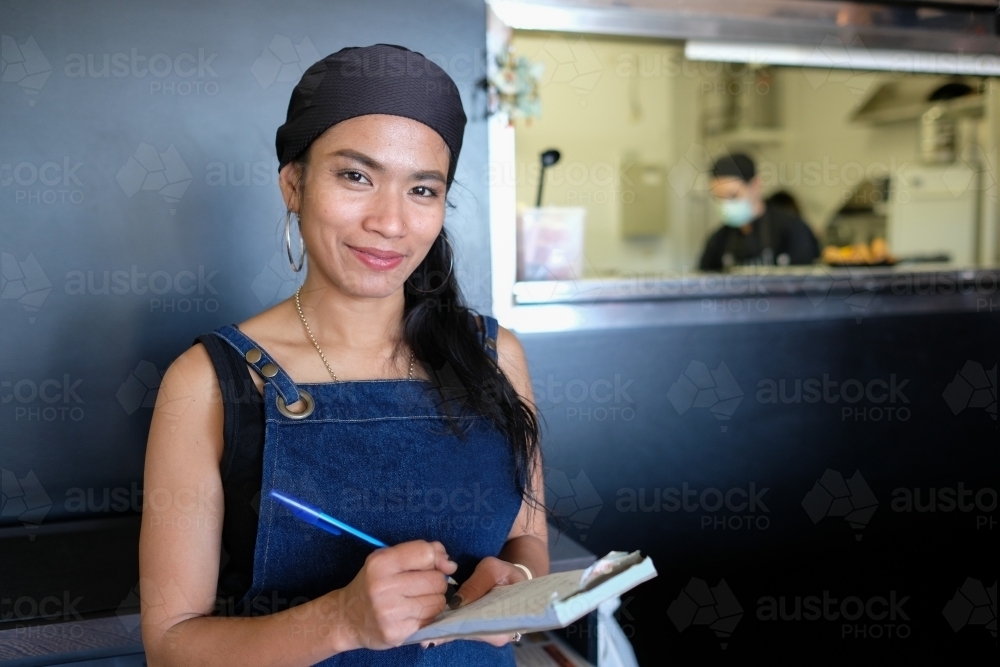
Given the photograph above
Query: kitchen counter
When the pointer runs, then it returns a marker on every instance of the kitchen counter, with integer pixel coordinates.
(753, 294)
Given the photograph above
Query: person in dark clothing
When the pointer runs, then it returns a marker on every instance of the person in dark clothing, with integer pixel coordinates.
(753, 232)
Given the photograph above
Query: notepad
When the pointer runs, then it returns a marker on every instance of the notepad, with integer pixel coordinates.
(544, 603)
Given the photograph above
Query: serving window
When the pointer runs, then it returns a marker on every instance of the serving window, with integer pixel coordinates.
(607, 171)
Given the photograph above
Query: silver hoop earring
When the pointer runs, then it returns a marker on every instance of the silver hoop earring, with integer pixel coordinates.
(296, 267)
(451, 268)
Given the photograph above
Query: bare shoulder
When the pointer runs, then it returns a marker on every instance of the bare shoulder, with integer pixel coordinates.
(513, 362)
(188, 411)
(509, 347)
(192, 373)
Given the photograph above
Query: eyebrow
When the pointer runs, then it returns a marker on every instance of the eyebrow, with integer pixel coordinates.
(375, 165)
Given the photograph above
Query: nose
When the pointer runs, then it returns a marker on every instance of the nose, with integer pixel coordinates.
(387, 215)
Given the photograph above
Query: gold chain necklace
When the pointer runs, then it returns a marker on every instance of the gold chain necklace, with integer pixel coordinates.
(298, 305)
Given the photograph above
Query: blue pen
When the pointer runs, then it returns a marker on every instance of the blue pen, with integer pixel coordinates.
(320, 519)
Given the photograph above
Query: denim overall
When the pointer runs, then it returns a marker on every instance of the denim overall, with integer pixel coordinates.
(379, 456)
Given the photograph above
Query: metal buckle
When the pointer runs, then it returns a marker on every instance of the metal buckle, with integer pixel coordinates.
(306, 396)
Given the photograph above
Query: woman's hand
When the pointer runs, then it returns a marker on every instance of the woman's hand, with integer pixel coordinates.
(399, 590)
(489, 573)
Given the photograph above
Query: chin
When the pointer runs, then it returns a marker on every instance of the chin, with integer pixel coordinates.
(373, 286)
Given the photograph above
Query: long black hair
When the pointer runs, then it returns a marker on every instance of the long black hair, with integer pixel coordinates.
(441, 330)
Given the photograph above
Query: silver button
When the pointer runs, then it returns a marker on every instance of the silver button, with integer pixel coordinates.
(253, 355)
(269, 370)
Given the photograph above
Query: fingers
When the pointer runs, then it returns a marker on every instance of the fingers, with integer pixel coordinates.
(444, 563)
(417, 584)
(428, 607)
(495, 640)
(489, 573)
(415, 555)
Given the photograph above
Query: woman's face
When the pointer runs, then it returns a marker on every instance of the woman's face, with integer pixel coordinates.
(371, 201)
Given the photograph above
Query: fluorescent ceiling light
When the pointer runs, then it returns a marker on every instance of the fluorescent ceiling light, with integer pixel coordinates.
(834, 54)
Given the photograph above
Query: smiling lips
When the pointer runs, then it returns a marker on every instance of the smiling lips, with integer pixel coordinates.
(377, 260)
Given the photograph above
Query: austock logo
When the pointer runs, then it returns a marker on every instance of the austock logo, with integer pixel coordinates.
(573, 63)
(574, 500)
(973, 604)
(50, 182)
(699, 387)
(840, 63)
(283, 62)
(737, 508)
(49, 399)
(872, 617)
(128, 611)
(700, 604)
(183, 74)
(23, 64)
(855, 285)
(694, 164)
(24, 282)
(982, 502)
(148, 169)
(23, 499)
(140, 387)
(276, 282)
(874, 400)
(973, 387)
(832, 496)
(184, 291)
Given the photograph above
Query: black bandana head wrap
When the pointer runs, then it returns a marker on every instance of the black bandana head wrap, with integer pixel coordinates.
(378, 79)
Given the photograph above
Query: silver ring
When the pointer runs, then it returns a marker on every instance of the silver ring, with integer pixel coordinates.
(306, 396)
(517, 637)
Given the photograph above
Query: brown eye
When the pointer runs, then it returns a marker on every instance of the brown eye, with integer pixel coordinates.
(354, 176)
(424, 191)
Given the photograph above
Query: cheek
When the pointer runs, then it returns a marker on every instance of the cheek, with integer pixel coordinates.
(425, 229)
(330, 217)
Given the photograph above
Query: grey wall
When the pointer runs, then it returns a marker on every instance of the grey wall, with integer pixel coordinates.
(140, 207)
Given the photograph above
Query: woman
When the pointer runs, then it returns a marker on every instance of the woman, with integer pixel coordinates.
(373, 394)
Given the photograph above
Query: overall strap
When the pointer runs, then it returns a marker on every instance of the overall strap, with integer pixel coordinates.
(260, 361)
(488, 335)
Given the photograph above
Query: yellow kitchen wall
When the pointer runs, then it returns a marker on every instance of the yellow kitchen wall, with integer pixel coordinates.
(608, 102)
(601, 118)
(821, 144)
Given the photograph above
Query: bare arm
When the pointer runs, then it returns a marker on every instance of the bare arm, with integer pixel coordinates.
(399, 589)
(527, 542)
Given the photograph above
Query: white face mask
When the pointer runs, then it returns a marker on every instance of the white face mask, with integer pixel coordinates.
(736, 212)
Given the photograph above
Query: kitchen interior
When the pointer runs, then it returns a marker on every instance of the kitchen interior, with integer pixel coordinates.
(879, 122)
(886, 167)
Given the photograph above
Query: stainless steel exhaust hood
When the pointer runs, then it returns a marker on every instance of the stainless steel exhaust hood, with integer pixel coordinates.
(966, 27)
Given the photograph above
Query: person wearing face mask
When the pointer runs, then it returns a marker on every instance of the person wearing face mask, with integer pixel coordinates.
(752, 232)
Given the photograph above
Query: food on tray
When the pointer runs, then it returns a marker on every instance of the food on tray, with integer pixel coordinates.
(859, 253)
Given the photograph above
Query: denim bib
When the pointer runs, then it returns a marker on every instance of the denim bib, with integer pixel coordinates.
(380, 456)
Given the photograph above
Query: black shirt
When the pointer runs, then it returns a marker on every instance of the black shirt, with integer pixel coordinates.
(775, 233)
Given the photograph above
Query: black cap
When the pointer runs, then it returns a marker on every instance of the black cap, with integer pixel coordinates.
(736, 165)
(377, 79)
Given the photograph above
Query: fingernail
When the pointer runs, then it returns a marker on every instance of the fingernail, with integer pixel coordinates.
(455, 602)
